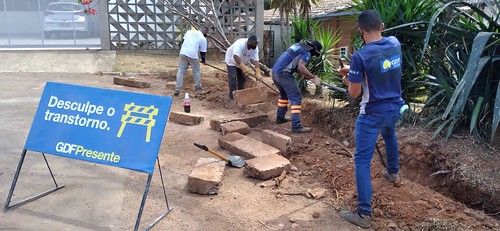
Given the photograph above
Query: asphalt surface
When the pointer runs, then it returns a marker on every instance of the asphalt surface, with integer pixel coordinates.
(93, 194)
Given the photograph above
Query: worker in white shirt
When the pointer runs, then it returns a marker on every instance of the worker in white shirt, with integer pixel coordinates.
(237, 56)
(194, 41)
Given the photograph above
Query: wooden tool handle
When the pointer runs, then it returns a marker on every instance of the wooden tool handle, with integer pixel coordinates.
(218, 155)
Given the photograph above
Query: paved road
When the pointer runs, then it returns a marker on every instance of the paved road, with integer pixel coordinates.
(96, 190)
(57, 61)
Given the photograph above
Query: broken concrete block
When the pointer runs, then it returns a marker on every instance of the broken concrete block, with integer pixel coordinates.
(215, 125)
(277, 140)
(235, 126)
(245, 146)
(266, 167)
(171, 84)
(250, 108)
(185, 118)
(131, 82)
(206, 176)
(250, 95)
(252, 121)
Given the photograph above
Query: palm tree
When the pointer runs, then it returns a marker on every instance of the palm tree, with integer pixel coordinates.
(285, 7)
(305, 9)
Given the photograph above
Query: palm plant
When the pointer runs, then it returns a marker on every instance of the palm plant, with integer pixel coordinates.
(285, 7)
(451, 55)
(321, 66)
(464, 87)
(405, 19)
(305, 8)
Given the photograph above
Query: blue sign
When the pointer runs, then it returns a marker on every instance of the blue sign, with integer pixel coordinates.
(117, 128)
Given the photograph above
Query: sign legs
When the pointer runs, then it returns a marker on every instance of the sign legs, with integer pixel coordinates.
(14, 182)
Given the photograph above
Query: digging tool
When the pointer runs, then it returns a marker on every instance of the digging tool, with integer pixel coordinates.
(234, 161)
(352, 101)
(214, 67)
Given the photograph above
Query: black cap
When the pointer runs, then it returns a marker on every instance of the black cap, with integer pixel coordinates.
(314, 47)
(317, 45)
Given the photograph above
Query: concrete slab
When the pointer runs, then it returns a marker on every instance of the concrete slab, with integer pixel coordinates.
(131, 82)
(67, 61)
(277, 140)
(206, 176)
(250, 95)
(252, 121)
(245, 146)
(235, 126)
(185, 118)
(267, 167)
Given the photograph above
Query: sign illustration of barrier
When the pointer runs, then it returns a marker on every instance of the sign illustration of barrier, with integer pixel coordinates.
(148, 122)
(110, 127)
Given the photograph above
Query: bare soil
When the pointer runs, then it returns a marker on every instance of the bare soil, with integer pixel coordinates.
(444, 185)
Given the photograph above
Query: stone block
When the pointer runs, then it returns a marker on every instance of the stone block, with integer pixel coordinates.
(131, 82)
(235, 126)
(245, 146)
(185, 118)
(252, 121)
(250, 95)
(206, 176)
(277, 140)
(267, 167)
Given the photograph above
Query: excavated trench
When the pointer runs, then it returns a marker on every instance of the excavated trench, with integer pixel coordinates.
(458, 168)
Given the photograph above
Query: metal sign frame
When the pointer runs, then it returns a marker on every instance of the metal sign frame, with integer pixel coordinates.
(141, 116)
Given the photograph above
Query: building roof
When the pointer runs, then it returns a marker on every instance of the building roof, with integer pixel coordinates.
(324, 7)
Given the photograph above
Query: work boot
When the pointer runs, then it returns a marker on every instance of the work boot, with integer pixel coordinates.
(357, 219)
(280, 120)
(392, 177)
(176, 93)
(200, 91)
(301, 130)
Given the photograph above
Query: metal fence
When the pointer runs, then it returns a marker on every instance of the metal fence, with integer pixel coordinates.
(47, 23)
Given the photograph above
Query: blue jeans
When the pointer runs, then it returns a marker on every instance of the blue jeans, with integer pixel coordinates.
(289, 93)
(184, 63)
(236, 79)
(367, 129)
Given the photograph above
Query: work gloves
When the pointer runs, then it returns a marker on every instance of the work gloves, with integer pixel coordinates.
(258, 76)
(245, 68)
(317, 81)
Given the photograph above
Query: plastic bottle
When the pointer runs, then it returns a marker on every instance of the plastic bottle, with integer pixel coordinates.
(187, 103)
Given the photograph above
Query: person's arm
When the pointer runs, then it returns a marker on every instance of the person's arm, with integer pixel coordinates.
(353, 76)
(237, 59)
(354, 89)
(302, 69)
(203, 49)
(256, 64)
(203, 56)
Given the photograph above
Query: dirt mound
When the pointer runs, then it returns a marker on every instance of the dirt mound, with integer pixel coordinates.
(465, 174)
(438, 179)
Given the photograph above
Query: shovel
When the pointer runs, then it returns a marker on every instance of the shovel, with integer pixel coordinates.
(234, 161)
(352, 101)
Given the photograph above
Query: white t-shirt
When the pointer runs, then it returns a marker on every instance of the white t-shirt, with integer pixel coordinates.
(194, 42)
(239, 48)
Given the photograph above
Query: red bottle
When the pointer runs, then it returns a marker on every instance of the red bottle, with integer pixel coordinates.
(187, 103)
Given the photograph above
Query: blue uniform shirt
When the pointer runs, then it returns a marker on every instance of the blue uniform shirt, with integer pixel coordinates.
(289, 60)
(378, 67)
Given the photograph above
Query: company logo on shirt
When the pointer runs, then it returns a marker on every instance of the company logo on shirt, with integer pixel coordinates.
(390, 63)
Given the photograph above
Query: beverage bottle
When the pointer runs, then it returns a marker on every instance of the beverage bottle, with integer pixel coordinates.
(187, 103)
